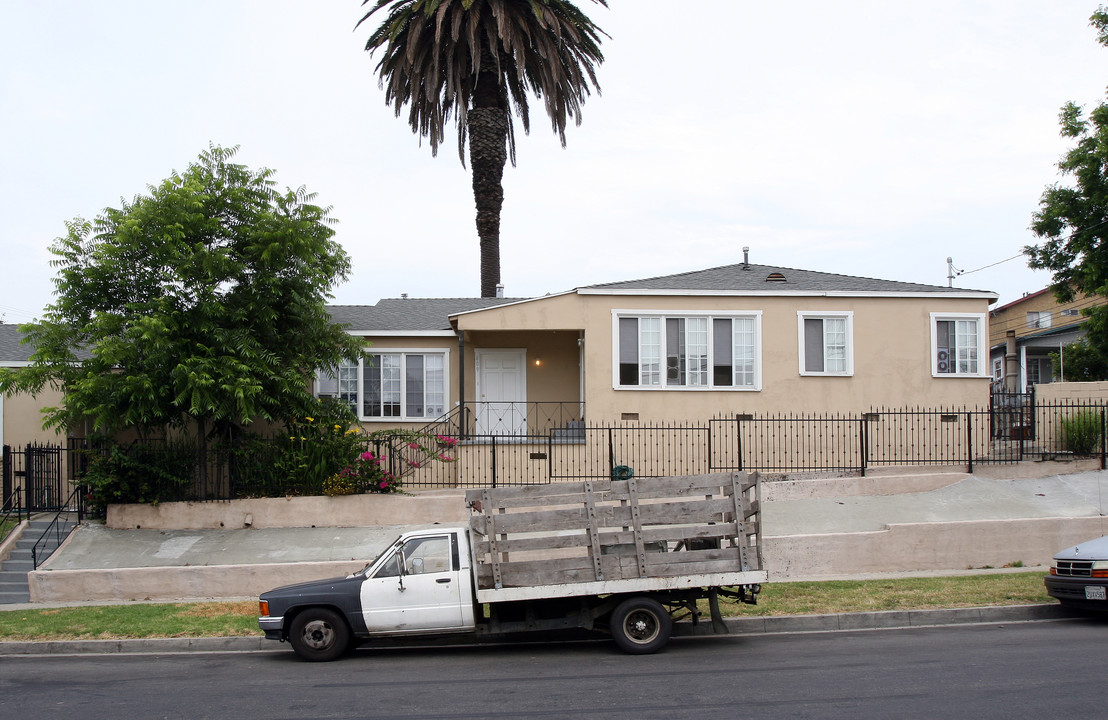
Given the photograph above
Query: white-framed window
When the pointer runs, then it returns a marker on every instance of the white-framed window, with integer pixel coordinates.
(958, 345)
(398, 385)
(826, 342)
(340, 382)
(681, 351)
(1040, 319)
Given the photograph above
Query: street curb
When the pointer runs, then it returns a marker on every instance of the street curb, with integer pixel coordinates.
(883, 620)
(898, 619)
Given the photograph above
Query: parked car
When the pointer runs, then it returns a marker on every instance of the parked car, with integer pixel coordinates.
(1079, 575)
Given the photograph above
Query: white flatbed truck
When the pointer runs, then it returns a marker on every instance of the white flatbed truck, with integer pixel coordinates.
(627, 557)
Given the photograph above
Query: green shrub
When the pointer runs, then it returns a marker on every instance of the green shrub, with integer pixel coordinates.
(316, 447)
(1081, 432)
(146, 473)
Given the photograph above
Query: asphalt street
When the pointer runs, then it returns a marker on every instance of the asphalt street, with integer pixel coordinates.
(1009, 670)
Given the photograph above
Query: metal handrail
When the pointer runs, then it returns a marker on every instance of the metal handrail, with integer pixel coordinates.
(13, 502)
(75, 498)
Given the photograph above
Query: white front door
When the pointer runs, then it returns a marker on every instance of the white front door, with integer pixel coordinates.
(502, 392)
(425, 595)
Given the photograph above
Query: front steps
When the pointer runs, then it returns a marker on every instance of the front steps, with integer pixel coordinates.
(13, 570)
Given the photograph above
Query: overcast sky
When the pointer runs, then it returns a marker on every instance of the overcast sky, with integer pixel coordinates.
(862, 138)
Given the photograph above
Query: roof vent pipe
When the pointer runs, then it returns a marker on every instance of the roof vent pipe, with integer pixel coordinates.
(500, 290)
(746, 258)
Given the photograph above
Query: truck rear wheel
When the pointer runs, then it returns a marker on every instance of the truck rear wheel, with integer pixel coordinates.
(319, 635)
(640, 626)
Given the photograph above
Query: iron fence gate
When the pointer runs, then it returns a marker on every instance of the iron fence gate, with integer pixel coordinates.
(45, 475)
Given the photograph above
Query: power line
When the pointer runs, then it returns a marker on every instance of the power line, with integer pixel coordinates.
(959, 273)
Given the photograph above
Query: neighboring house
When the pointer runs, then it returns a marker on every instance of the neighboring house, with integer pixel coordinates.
(741, 339)
(21, 415)
(1039, 325)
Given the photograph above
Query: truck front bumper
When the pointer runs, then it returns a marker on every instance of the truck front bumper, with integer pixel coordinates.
(274, 627)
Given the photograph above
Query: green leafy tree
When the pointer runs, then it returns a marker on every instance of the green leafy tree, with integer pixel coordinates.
(200, 302)
(477, 60)
(1080, 361)
(1072, 217)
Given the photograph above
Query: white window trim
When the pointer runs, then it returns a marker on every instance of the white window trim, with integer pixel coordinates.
(711, 314)
(447, 404)
(848, 315)
(445, 352)
(984, 369)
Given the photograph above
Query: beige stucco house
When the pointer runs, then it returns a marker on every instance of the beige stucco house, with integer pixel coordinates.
(21, 414)
(741, 339)
(1038, 325)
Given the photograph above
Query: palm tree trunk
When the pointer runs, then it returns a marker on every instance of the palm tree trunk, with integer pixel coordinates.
(487, 127)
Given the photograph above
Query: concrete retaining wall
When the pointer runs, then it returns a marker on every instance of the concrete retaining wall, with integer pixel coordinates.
(446, 506)
(210, 581)
(944, 546)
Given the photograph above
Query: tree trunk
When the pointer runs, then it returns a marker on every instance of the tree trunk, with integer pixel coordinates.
(487, 127)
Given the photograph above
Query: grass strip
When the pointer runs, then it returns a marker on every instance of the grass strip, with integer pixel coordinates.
(239, 619)
(115, 622)
(916, 593)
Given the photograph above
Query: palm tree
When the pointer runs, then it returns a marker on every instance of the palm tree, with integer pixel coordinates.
(467, 59)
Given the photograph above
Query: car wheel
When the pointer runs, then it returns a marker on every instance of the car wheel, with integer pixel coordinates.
(319, 635)
(640, 626)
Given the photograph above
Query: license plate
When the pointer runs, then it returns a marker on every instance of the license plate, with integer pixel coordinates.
(1095, 592)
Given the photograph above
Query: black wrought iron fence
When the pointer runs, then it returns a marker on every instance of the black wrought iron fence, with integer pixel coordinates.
(44, 475)
(443, 455)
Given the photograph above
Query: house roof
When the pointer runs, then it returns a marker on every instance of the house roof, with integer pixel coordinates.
(742, 279)
(1023, 299)
(408, 315)
(12, 351)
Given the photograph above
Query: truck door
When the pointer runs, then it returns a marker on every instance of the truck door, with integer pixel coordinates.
(418, 588)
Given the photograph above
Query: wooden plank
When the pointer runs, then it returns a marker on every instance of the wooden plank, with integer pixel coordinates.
(684, 511)
(675, 487)
(695, 568)
(494, 555)
(538, 495)
(603, 490)
(594, 533)
(636, 526)
(741, 501)
(579, 570)
(651, 534)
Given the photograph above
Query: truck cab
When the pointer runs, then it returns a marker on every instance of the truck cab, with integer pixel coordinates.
(422, 583)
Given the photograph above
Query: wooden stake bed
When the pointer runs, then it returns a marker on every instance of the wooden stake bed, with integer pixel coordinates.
(614, 536)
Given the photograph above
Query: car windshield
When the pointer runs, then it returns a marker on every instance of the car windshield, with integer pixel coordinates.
(392, 546)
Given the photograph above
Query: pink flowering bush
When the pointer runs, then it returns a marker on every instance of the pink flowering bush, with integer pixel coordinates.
(363, 475)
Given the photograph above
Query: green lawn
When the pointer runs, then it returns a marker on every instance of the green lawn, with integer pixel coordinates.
(231, 619)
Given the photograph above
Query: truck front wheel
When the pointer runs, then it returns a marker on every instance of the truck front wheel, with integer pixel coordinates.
(640, 626)
(319, 635)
